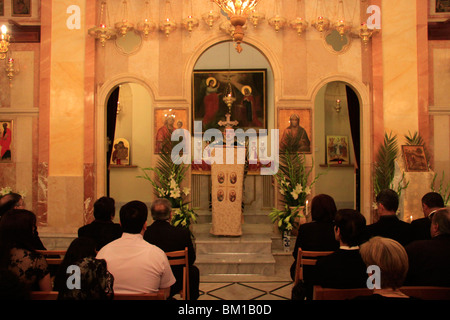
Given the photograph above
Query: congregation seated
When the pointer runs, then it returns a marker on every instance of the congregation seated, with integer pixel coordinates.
(317, 235)
(102, 230)
(390, 257)
(169, 238)
(344, 268)
(431, 202)
(429, 260)
(95, 282)
(18, 252)
(389, 225)
(136, 265)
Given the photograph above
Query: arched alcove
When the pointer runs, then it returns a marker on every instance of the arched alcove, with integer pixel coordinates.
(338, 140)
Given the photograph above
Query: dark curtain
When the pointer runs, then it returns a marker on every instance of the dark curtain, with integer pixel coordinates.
(353, 114)
(111, 115)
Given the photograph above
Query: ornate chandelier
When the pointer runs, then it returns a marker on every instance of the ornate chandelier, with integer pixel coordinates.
(237, 11)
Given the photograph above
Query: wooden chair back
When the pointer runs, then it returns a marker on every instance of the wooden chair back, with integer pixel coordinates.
(419, 292)
(180, 258)
(160, 295)
(53, 257)
(43, 295)
(307, 258)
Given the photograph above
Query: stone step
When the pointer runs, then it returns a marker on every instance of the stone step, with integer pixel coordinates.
(247, 243)
(256, 217)
(236, 263)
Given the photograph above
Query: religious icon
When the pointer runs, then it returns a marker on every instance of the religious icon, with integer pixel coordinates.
(121, 152)
(295, 125)
(221, 177)
(21, 8)
(337, 150)
(248, 87)
(415, 159)
(5, 140)
(167, 120)
(233, 178)
(220, 195)
(232, 196)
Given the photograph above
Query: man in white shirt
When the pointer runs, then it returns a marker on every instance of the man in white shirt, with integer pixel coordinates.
(137, 266)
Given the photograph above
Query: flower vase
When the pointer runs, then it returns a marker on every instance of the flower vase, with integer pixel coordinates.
(286, 238)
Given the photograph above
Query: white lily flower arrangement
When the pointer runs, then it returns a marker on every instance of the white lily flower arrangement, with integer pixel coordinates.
(167, 184)
(294, 184)
(7, 190)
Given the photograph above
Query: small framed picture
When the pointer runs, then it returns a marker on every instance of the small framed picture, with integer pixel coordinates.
(2, 8)
(21, 8)
(166, 121)
(337, 150)
(6, 135)
(439, 8)
(415, 158)
(121, 152)
(295, 129)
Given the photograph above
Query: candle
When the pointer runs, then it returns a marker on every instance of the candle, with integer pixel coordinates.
(306, 207)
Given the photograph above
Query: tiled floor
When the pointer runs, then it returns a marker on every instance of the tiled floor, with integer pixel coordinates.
(260, 290)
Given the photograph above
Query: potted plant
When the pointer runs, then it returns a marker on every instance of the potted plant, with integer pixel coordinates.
(294, 184)
(167, 184)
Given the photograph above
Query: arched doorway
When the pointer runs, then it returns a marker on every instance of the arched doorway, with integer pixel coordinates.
(338, 143)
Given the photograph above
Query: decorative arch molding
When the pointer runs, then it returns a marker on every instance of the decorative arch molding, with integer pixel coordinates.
(366, 119)
(103, 92)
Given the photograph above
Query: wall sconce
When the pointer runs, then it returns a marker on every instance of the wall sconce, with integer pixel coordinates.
(4, 42)
(12, 68)
(168, 25)
(102, 31)
(365, 33)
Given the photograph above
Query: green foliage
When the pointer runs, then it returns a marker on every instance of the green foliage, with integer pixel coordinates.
(385, 166)
(444, 191)
(167, 184)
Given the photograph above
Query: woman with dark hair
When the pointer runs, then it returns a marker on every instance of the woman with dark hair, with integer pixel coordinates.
(317, 235)
(17, 250)
(11, 201)
(95, 282)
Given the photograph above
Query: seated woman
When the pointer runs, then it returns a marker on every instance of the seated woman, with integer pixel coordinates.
(391, 257)
(95, 282)
(317, 235)
(17, 250)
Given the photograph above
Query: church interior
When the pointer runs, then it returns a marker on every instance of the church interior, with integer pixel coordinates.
(80, 76)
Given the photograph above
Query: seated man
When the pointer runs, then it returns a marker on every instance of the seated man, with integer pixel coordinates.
(102, 230)
(429, 260)
(344, 268)
(169, 238)
(431, 202)
(137, 266)
(388, 225)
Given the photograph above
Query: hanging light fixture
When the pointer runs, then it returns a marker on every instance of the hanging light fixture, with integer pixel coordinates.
(255, 17)
(124, 25)
(237, 11)
(190, 22)
(277, 21)
(103, 32)
(341, 25)
(5, 39)
(321, 23)
(147, 25)
(211, 16)
(168, 25)
(298, 24)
